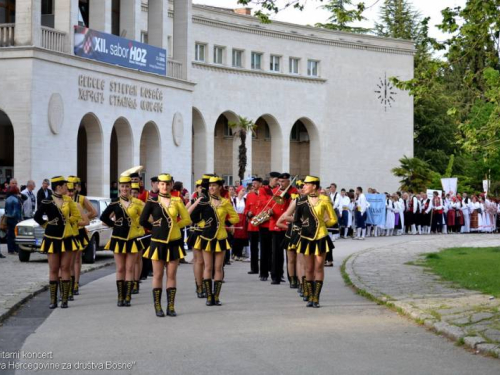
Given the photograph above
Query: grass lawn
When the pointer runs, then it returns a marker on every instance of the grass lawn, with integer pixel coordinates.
(469, 267)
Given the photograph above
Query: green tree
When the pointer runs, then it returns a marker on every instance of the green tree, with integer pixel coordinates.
(415, 174)
(242, 127)
(398, 19)
(343, 13)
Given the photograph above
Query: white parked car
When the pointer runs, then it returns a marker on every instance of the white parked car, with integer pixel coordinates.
(29, 234)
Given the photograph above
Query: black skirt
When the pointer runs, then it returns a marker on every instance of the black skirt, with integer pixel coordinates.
(315, 247)
(193, 236)
(117, 246)
(210, 246)
(56, 246)
(166, 252)
(83, 237)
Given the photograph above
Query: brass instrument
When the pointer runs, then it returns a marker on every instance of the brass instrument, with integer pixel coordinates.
(264, 216)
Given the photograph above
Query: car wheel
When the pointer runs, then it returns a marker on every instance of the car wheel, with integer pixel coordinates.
(90, 251)
(24, 256)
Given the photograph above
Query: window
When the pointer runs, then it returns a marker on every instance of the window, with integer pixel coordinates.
(83, 15)
(294, 65)
(228, 179)
(47, 13)
(299, 132)
(219, 55)
(275, 63)
(199, 52)
(144, 37)
(237, 58)
(7, 11)
(115, 17)
(267, 133)
(256, 60)
(312, 68)
(228, 132)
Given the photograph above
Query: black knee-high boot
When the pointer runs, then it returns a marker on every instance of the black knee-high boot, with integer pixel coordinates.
(171, 301)
(128, 293)
(310, 293)
(157, 302)
(208, 290)
(76, 288)
(119, 288)
(53, 286)
(306, 290)
(65, 296)
(135, 287)
(71, 285)
(318, 285)
(217, 289)
(199, 290)
(294, 282)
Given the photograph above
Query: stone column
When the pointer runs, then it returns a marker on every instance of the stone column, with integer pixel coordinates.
(130, 19)
(183, 46)
(65, 17)
(158, 23)
(100, 15)
(28, 22)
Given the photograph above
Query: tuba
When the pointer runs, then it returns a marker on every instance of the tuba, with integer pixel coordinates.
(264, 216)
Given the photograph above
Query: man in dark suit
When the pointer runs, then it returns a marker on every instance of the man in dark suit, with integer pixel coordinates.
(44, 192)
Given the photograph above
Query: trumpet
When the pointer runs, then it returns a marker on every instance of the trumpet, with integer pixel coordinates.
(264, 216)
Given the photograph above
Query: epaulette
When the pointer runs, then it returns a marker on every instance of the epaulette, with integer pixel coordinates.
(324, 198)
(47, 201)
(175, 199)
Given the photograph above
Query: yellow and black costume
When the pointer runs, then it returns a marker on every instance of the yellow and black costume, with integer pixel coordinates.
(126, 235)
(214, 235)
(59, 235)
(314, 238)
(291, 240)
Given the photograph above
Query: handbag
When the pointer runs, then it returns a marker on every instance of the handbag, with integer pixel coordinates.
(3, 223)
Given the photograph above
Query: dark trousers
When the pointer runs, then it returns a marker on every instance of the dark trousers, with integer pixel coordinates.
(437, 222)
(277, 255)
(147, 265)
(254, 251)
(266, 244)
(11, 235)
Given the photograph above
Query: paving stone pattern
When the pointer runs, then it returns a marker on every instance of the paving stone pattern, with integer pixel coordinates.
(388, 274)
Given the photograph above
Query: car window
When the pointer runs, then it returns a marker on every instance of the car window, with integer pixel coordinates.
(96, 206)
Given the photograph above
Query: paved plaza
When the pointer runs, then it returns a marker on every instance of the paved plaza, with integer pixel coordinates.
(261, 328)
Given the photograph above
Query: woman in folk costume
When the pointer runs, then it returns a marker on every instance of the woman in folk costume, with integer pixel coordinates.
(194, 232)
(123, 215)
(437, 213)
(58, 240)
(390, 215)
(488, 215)
(165, 216)
(450, 205)
(314, 213)
(292, 237)
(214, 211)
(459, 215)
(91, 213)
(82, 241)
(475, 217)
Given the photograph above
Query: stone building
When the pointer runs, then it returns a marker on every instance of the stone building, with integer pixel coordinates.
(321, 100)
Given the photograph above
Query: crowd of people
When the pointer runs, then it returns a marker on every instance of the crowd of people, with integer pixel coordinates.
(286, 227)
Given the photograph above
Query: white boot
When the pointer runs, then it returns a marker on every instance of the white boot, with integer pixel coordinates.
(363, 234)
(358, 233)
(345, 232)
(413, 229)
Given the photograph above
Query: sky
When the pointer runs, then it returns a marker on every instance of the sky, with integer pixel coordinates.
(313, 13)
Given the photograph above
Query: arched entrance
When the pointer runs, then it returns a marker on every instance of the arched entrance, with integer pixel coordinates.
(150, 152)
(199, 145)
(266, 146)
(225, 151)
(90, 156)
(305, 148)
(7, 148)
(121, 150)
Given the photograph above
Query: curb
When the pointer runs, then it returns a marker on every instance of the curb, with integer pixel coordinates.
(454, 333)
(42, 288)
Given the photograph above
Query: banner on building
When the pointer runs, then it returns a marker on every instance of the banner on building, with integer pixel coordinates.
(112, 49)
(450, 185)
(376, 212)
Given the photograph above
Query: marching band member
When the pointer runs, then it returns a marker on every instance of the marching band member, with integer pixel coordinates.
(195, 231)
(91, 213)
(252, 208)
(124, 242)
(169, 216)
(292, 236)
(277, 232)
(134, 192)
(214, 211)
(314, 239)
(58, 241)
(146, 265)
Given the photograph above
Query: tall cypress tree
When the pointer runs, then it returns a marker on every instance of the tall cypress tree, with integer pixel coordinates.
(398, 19)
(344, 12)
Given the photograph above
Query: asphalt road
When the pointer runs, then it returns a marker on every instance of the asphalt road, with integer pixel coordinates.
(260, 329)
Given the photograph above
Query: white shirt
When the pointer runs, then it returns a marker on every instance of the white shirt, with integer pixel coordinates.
(344, 201)
(335, 198)
(239, 205)
(362, 203)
